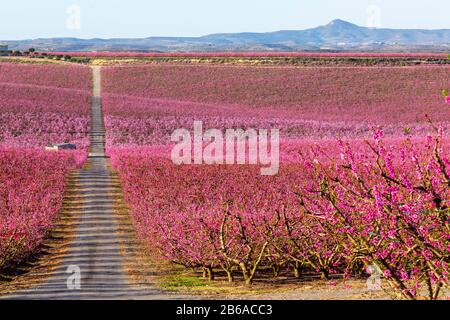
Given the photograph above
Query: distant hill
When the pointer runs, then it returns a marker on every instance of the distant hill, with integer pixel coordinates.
(338, 35)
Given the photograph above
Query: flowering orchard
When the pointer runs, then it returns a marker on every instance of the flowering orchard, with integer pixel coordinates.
(144, 104)
(39, 105)
(32, 184)
(315, 93)
(333, 211)
(348, 197)
(335, 207)
(42, 104)
(49, 75)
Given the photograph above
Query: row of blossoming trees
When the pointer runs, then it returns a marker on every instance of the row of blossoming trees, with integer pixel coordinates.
(337, 209)
(32, 185)
(39, 105)
(383, 204)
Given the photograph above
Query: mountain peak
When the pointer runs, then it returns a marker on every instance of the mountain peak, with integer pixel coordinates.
(338, 23)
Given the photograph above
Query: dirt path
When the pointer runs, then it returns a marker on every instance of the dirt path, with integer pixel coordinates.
(95, 250)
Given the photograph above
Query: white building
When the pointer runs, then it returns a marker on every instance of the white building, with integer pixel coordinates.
(61, 146)
(3, 49)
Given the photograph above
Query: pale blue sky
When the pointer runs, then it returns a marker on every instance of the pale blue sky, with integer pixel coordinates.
(20, 19)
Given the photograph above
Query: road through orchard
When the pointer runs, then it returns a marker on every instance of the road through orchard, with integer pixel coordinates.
(39, 104)
(334, 206)
(92, 266)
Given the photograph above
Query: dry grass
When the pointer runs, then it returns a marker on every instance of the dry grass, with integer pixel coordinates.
(272, 61)
(29, 60)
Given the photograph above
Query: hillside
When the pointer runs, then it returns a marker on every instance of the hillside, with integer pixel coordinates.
(338, 35)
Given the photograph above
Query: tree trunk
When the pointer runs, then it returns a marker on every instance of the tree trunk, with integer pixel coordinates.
(297, 269)
(230, 275)
(276, 270)
(246, 274)
(324, 274)
(210, 273)
(297, 272)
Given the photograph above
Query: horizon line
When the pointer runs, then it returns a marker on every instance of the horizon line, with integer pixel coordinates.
(224, 33)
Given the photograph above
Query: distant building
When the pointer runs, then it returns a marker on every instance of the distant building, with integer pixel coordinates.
(3, 49)
(61, 146)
